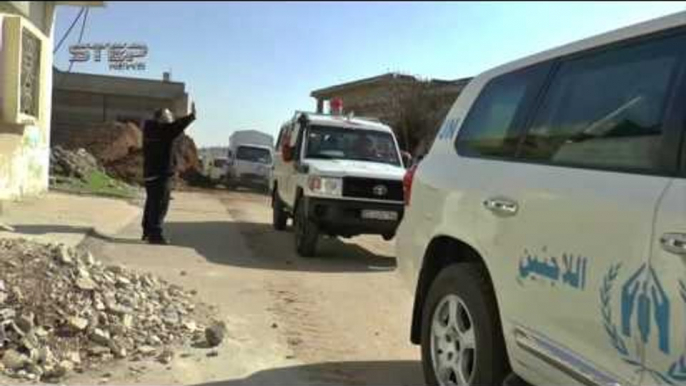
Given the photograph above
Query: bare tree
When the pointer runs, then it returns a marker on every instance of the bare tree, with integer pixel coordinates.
(414, 109)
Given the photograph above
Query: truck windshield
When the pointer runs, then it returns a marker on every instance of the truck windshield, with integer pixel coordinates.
(254, 154)
(351, 144)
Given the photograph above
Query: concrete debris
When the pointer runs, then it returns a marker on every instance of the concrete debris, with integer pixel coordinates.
(118, 350)
(65, 255)
(165, 357)
(77, 324)
(7, 314)
(78, 164)
(214, 334)
(127, 321)
(25, 322)
(191, 326)
(65, 311)
(13, 360)
(101, 337)
(85, 283)
(146, 350)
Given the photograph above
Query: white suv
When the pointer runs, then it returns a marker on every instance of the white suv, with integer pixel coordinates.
(337, 176)
(546, 229)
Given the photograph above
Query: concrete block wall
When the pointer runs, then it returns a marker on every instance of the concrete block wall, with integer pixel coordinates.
(24, 139)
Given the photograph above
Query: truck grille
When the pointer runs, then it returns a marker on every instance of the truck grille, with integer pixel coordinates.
(372, 188)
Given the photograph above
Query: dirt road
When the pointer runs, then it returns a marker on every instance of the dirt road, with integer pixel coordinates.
(341, 318)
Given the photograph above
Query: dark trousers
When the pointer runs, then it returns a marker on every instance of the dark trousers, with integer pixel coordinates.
(156, 205)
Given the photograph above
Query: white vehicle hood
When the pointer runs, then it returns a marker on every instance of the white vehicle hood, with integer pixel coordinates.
(349, 168)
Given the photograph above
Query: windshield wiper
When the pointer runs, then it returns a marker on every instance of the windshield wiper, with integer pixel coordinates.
(322, 156)
(376, 160)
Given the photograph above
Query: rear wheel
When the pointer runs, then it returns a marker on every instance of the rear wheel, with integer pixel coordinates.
(462, 341)
(279, 215)
(306, 232)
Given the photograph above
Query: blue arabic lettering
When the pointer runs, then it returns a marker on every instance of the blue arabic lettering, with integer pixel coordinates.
(574, 277)
(551, 271)
(570, 277)
(525, 269)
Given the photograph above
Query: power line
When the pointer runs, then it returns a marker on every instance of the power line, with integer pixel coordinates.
(66, 34)
(83, 29)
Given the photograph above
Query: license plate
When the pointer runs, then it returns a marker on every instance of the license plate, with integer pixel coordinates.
(380, 215)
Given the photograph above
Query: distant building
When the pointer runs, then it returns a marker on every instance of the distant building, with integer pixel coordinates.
(370, 96)
(385, 96)
(26, 44)
(82, 101)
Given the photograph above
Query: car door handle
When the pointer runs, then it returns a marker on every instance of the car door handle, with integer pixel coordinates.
(674, 243)
(501, 206)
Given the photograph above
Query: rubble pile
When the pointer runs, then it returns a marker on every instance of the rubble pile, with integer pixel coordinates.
(74, 164)
(62, 311)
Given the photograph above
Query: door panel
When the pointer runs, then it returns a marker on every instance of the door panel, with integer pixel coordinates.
(570, 249)
(594, 162)
(292, 173)
(663, 285)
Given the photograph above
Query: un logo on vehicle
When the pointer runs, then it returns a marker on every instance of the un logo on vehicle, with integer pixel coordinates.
(380, 190)
(644, 305)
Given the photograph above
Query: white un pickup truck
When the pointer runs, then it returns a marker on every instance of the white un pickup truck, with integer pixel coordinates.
(338, 176)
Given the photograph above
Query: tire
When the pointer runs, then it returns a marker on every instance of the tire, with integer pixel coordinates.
(306, 232)
(465, 286)
(279, 215)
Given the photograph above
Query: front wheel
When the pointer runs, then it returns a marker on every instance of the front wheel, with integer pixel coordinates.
(306, 232)
(279, 215)
(462, 340)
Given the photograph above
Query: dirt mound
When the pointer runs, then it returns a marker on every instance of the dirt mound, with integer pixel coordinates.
(61, 310)
(118, 141)
(129, 168)
(186, 153)
(118, 147)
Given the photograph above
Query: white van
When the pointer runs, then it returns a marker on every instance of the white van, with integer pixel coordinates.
(250, 159)
(546, 228)
(215, 168)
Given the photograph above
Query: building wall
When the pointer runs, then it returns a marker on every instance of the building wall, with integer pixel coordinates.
(25, 101)
(384, 98)
(84, 103)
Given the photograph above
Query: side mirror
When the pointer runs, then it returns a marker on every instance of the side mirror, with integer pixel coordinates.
(407, 159)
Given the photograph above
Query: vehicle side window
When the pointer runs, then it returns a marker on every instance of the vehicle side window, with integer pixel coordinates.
(298, 147)
(489, 129)
(282, 135)
(605, 110)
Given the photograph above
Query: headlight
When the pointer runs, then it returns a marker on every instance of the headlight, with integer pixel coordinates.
(329, 186)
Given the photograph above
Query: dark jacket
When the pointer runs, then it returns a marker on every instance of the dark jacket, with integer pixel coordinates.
(158, 140)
